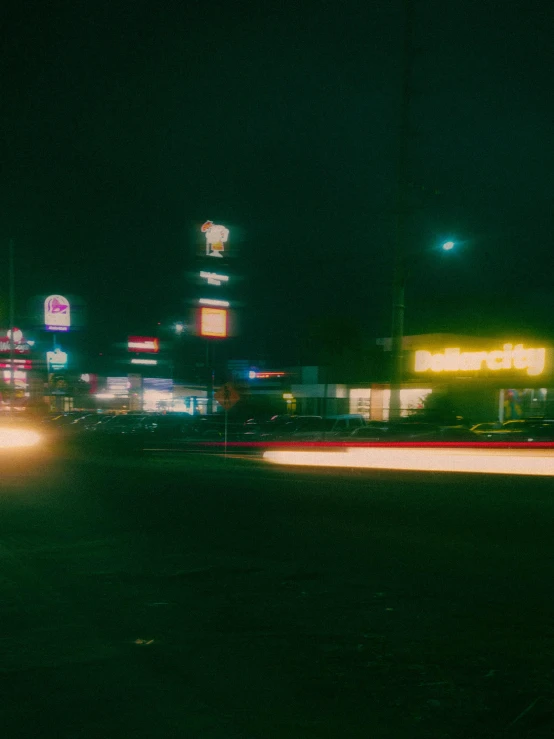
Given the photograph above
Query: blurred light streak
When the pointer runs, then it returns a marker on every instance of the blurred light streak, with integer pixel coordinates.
(11, 438)
(487, 460)
(210, 301)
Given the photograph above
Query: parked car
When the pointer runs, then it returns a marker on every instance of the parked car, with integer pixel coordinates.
(518, 430)
(331, 428)
(307, 428)
(123, 424)
(412, 431)
(281, 428)
(64, 424)
(171, 429)
(114, 434)
(450, 433)
(481, 428)
(57, 420)
(392, 431)
(539, 432)
(93, 422)
(193, 429)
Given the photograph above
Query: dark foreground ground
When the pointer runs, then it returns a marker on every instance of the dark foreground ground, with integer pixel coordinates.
(192, 596)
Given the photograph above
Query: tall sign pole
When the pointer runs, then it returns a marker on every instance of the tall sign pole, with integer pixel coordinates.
(213, 318)
(209, 379)
(57, 317)
(12, 323)
(399, 279)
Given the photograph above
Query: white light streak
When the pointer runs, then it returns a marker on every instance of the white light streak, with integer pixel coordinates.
(144, 361)
(493, 461)
(218, 303)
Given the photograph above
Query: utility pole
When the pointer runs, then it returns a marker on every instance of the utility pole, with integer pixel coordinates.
(401, 216)
(210, 372)
(12, 321)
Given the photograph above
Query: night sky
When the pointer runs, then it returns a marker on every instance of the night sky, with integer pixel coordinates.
(124, 124)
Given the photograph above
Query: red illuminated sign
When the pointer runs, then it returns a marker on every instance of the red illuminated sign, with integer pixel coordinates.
(20, 345)
(19, 364)
(148, 344)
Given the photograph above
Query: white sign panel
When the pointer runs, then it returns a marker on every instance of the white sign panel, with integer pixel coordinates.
(56, 360)
(213, 278)
(211, 301)
(57, 313)
(216, 238)
(144, 361)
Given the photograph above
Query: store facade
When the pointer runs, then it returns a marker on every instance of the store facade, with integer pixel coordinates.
(483, 379)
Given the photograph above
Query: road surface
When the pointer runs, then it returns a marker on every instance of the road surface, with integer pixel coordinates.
(193, 596)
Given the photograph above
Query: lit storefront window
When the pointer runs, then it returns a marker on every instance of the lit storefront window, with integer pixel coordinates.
(360, 399)
(411, 399)
(522, 403)
(376, 406)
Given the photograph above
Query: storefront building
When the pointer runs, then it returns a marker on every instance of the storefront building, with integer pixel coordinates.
(482, 379)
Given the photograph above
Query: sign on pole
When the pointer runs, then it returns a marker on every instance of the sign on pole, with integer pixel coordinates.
(56, 360)
(57, 313)
(213, 322)
(227, 396)
(143, 344)
(216, 238)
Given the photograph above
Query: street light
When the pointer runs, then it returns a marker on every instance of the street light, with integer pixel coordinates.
(398, 309)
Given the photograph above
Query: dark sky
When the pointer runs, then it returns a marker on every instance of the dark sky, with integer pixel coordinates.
(125, 123)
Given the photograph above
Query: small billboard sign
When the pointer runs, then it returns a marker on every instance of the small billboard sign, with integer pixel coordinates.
(213, 322)
(15, 338)
(57, 313)
(216, 238)
(56, 360)
(143, 344)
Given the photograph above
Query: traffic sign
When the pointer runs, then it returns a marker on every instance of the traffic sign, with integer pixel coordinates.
(227, 396)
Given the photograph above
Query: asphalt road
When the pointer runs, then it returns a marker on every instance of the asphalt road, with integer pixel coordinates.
(192, 596)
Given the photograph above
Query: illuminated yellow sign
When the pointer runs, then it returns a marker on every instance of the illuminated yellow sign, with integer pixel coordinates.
(508, 358)
(213, 322)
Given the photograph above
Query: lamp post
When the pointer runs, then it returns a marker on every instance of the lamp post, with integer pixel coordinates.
(12, 321)
(404, 141)
(401, 272)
